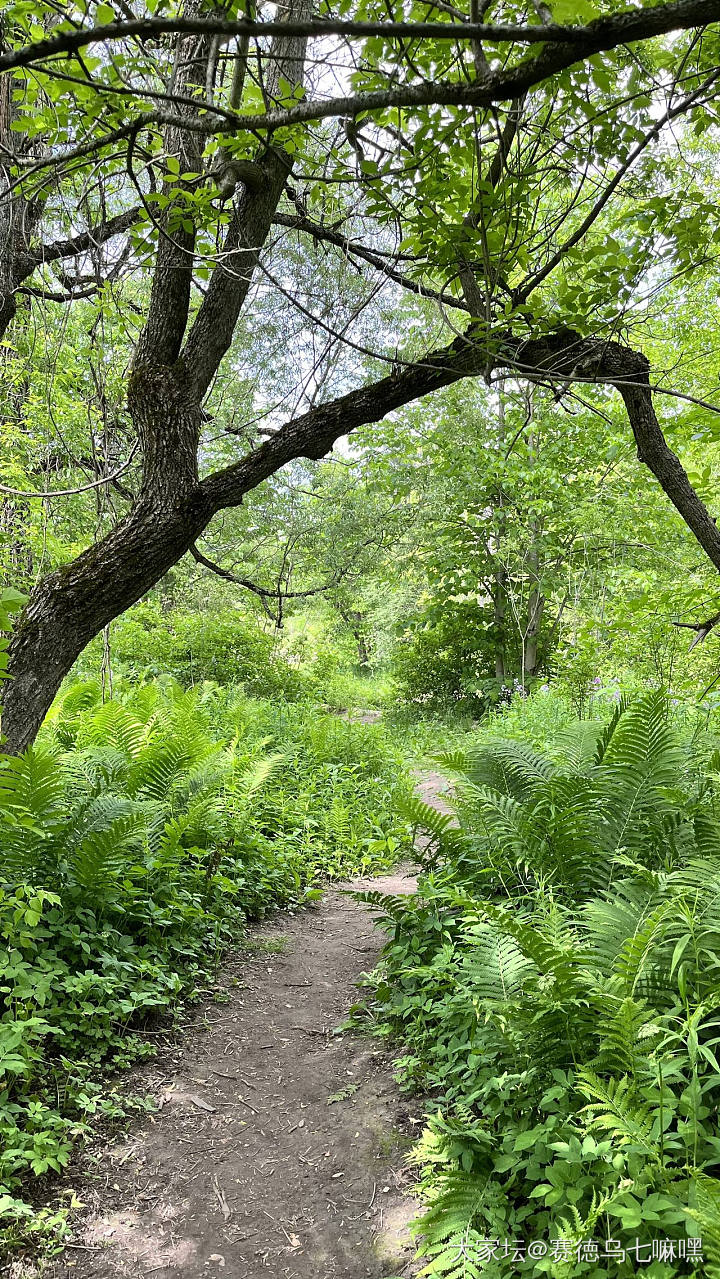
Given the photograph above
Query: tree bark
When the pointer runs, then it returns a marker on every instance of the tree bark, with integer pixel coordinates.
(536, 608)
(71, 606)
(353, 619)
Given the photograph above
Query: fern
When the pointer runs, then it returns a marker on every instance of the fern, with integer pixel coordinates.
(563, 964)
(627, 1034)
(458, 1199)
(637, 950)
(496, 967)
(509, 767)
(705, 1210)
(439, 828)
(118, 726)
(258, 774)
(617, 1110)
(98, 860)
(608, 731)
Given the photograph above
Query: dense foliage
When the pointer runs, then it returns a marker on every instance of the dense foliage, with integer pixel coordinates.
(555, 987)
(136, 840)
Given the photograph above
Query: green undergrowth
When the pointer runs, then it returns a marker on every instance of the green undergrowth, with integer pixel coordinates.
(136, 840)
(555, 986)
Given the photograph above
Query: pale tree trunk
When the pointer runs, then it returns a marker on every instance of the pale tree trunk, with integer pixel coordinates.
(536, 608)
(499, 573)
(19, 217)
(15, 515)
(535, 605)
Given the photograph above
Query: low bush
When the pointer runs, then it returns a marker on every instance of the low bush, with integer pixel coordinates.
(446, 662)
(224, 645)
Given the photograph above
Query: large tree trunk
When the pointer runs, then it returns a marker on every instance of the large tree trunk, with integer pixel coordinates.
(73, 604)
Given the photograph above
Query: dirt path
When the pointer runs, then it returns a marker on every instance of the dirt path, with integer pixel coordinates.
(278, 1147)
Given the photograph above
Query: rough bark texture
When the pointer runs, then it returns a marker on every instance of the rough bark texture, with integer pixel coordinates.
(166, 389)
(73, 604)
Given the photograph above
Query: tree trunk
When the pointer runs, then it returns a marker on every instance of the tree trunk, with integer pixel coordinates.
(536, 604)
(354, 622)
(499, 590)
(536, 607)
(73, 604)
(499, 608)
(362, 649)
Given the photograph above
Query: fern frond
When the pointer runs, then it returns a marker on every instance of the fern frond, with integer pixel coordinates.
(607, 733)
(627, 1035)
(635, 951)
(496, 967)
(563, 964)
(705, 1210)
(118, 726)
(441, 828)
(617, 1110)
(257, 775)
(96, 862)
(455, 1204)
(509, 767)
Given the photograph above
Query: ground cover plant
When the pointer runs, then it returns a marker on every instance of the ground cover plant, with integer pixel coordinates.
(136, 840)
(555, 987)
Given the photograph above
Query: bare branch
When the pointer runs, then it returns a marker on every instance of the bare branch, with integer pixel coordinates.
(276, 594)
(348, 245)
(524, 290)
(703, 629)
(83, 488)
(92, 238)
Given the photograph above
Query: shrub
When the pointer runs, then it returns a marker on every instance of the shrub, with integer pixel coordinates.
(223, 646)
(555, 985)
(447, 661)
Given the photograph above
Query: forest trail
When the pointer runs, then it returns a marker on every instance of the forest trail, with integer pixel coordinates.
(278, 1146)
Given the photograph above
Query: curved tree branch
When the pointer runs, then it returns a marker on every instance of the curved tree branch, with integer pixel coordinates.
(561, 356)
(349, 246)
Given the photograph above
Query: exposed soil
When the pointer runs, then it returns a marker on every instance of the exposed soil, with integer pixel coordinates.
(432, 788)
(278, 1147)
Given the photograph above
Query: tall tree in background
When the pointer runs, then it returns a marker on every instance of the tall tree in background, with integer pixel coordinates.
(516, 180)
